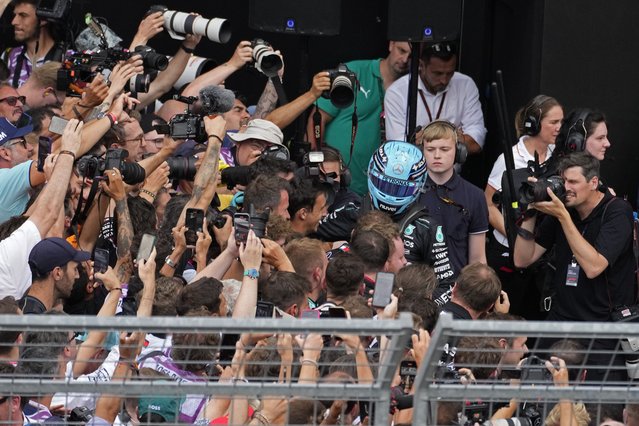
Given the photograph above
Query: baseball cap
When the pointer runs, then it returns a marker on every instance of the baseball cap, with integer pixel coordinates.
(165, 406)
(52, 252)
(8, 131)
(259, 129)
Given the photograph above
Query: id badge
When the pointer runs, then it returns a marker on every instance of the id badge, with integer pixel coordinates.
(572, 275)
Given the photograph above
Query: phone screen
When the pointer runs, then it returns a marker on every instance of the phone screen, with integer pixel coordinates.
(264, 310)
(57, 125)
(310, 314)
(242, 224)
(100, 260)
(383, 289)
(408, 368)
(194, 223)
(146, 247)
(44, 149)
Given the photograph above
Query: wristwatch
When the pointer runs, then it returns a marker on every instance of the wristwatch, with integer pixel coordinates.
(252, 273)
(169, 262)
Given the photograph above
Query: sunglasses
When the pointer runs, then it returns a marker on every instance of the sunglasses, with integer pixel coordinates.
(16, 142)
(13, 100)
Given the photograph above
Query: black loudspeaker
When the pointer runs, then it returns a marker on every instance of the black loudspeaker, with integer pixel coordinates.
(304, 17)
(424, 20)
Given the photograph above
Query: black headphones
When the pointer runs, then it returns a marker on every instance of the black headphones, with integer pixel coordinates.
(461, 152)
(577, 132)
(532, 122)
(345, 177)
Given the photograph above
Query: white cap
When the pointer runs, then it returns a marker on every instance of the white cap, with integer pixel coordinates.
(262, 130)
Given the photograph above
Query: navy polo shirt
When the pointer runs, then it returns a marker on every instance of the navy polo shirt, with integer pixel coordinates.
(465, 213)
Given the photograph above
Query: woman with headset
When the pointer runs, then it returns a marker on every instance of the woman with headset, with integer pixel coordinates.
(538, 124)
(584, 129)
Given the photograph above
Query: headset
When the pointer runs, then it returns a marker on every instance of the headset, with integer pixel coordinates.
(577, 132)
(461, 152)
(532, 124)
(345, 177)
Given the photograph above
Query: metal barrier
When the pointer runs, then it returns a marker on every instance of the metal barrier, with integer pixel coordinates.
(434, 387)
(397, 331)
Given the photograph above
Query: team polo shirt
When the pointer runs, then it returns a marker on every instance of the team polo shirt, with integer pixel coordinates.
(369, 100)
(469, 214)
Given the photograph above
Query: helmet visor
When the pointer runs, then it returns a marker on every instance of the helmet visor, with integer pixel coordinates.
(393, 187)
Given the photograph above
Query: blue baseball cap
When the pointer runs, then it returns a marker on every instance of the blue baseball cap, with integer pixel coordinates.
(8, 131)
(52, 252)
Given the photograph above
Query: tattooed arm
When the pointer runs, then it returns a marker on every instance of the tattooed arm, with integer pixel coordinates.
(115, 189)
(207, 173)
(267, 101)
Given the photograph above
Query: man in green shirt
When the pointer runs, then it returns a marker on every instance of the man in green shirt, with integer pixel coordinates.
(374, 77)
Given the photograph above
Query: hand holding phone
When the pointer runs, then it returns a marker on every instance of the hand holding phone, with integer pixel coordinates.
(194, 224)
(383, 289)
(100, 260)
(146, 247)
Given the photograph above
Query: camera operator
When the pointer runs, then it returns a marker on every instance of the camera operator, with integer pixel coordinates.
(344, 209)
(592, 234)
(538, 124)
(251, 143)
(38, 40)
(374, 77)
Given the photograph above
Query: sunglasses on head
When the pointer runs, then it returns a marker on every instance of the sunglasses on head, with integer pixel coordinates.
(13, 100)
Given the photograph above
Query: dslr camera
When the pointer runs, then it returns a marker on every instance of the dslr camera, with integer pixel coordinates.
(91, 166)
(343, 86)
(534, 370)
(266, 61)
(79, 68)
(536, 192)
(184, 126)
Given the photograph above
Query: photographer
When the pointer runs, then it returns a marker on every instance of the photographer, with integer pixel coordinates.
(344, 209)
(592, 233)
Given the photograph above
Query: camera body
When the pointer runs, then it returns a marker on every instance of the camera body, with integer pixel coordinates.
(266, 61)
(534, 370)
(187, 126)
(91, 166)
(536, 192)
(79, 68)
(343, 86)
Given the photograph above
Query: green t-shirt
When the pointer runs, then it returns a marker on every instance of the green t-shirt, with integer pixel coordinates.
(370, 99)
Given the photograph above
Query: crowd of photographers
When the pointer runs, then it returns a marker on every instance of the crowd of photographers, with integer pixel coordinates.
(112, 203)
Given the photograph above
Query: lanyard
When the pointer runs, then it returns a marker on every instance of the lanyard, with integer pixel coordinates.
(439, 111)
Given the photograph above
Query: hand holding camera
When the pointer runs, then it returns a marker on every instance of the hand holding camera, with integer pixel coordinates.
(243, 55)
(114, 185)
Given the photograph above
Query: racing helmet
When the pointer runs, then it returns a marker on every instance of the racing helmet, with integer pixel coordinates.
(396, 173)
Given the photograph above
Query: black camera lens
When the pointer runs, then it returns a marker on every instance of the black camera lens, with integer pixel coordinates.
(132, 173)
(266, 61)
(182, 168)
(152, 59)
(341, 93)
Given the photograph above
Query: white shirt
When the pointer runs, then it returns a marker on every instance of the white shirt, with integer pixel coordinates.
(461, 107)
(15, 274)
(521, 157)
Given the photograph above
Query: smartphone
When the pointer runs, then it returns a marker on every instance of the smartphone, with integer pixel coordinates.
(44, 149)
(227, 347)
(333, 312)
(100, 260)
(194, 224)
(310, 314)
(408, 368)
(146, 247)
(383, 289)
(242, 223)
(57, 124)
(264, 309)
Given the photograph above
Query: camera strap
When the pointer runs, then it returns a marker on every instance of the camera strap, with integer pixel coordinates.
(81, 214)
(317, 128)
(282, 99)
(353, 132)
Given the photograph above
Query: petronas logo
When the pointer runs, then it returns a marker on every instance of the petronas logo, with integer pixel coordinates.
(439, 235)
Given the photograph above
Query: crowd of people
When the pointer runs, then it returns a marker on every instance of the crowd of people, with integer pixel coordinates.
(106, 209)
